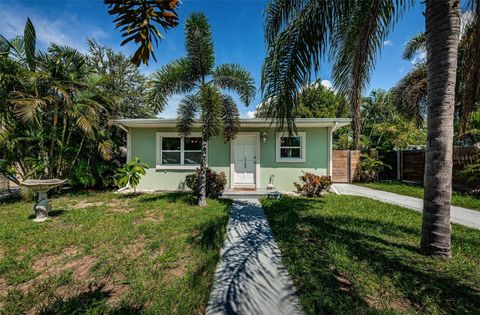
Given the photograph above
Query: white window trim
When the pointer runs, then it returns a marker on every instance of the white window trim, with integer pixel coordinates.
(303, 148)
(158, 150)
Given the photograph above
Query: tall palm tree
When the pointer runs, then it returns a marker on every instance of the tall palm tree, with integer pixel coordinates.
(196, 76)
(300, 32)
(442, 49)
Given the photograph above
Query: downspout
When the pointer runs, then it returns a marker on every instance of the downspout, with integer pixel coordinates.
(330, 147)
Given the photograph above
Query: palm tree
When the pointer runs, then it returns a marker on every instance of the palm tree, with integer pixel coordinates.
(300, 33)
(196, 75)
(410, 93)
(442, 49)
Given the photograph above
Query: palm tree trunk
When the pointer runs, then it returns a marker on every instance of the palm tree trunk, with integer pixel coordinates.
(202, 198)
(442, 29)
(356, 121)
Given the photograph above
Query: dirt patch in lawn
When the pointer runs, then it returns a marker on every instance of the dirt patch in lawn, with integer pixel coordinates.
(150, 217)
(86, 204)
(46, 262)
(119, 206)
(135, 249)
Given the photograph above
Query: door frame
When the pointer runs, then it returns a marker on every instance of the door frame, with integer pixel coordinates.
(257, 159)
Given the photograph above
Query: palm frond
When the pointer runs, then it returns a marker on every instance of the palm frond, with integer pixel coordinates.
(105, 148)
(174, 78)
(234, 78)
(414, 46)
(26, 105)
(469, 66)
(199, 44)
(292, 57)
(135, 20)
(29, 39)
(277, 14)
(211, 104)
(230, 117)
(186, 113)
(410, 94)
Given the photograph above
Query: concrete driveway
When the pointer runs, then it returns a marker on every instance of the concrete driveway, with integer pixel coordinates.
(459, 215)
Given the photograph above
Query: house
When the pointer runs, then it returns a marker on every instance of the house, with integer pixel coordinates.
(259, 155)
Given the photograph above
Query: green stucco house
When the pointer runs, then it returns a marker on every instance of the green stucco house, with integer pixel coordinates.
(260, 154)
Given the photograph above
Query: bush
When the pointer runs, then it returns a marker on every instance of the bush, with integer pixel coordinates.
(215, 182)
(313, 185)
(369, 167)
(471, 173)
(130, 174)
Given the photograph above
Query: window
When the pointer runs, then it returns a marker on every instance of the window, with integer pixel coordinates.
(178, 152)
(291, 149)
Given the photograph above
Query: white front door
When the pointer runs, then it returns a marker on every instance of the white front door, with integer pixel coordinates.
(245, 160)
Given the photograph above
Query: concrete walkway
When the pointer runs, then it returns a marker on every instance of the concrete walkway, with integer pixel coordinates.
(250, 278)
(467, 217)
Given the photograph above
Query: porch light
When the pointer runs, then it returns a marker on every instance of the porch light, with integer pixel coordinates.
(264, 136)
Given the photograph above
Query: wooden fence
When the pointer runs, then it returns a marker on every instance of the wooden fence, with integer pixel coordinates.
(344, 165)
(410, 165)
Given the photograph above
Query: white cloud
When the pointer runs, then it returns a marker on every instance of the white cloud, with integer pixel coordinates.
(251, 113)
(67, 30)
(327, 84)
(387, 43)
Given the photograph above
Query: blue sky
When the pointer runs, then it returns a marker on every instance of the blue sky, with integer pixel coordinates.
(237, 28)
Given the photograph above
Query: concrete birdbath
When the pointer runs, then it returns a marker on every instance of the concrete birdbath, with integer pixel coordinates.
(42, 206)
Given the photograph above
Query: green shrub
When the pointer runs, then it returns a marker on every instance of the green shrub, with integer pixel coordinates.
(313, 185)
(369, 167)
(472, 175)
(215, 182)
(130, 174)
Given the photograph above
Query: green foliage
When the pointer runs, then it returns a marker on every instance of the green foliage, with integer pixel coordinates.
(131, 173)
(135, 19)
(122, 81)
(315, 101)
(215, 182)
(313, 185)
(472, 175)
(369, 167)
(55, 110)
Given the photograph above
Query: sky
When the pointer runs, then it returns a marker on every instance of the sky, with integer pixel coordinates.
(237, 27)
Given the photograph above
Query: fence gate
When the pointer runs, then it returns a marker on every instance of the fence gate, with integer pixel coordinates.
(344, 165)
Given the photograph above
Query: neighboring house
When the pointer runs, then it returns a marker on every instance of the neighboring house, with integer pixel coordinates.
(259, 155)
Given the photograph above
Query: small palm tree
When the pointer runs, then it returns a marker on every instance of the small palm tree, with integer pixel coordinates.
(131, 173)
(196, 75)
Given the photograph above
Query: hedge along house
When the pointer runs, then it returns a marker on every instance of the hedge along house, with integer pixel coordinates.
(259, 155)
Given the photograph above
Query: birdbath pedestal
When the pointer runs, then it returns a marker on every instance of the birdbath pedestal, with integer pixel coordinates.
(42, 206)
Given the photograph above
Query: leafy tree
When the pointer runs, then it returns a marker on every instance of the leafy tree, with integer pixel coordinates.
(131, 173)
(136, 19)
(196, 74)
(298, 34)
(54, 117)
(123, 83)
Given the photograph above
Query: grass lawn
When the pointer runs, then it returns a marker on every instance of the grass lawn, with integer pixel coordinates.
(103, 253)
(349, 254)
(458, 199)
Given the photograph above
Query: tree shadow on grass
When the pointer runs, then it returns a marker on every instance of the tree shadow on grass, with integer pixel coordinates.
(308, 241)
(170, 197)
(92, 301)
